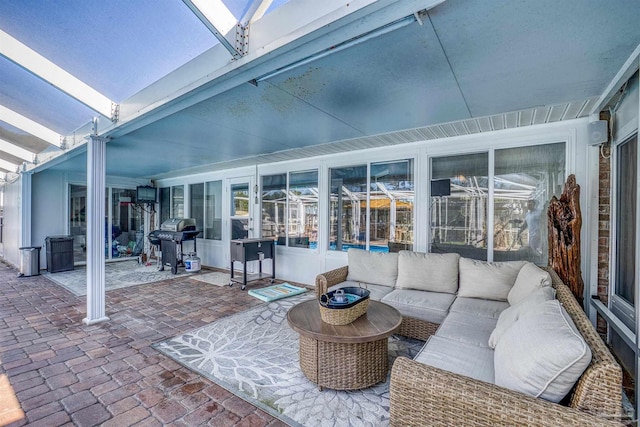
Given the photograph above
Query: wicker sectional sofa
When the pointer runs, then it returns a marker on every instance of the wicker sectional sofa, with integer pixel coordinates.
(432, 390)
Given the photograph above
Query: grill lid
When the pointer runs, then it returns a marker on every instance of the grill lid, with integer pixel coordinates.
(178, 224)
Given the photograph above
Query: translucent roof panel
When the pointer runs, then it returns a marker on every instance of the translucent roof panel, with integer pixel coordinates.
(276, 4)
(37, 100)
(238, 7)
(22, 139)
(118, 46)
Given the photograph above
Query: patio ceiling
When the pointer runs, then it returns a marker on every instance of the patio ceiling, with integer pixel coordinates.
(313, 77)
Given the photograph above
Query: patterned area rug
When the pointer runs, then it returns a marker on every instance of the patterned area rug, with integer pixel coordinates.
(117, 275)
(254, 354)
(214, 278)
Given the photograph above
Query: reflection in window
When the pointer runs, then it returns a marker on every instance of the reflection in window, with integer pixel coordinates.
(391, 206)
(213, 211)
(348, 190)
(525, 179)
(177, 201)
(290, 210)
(239, 211)
(196, 205)
(127, 233)
(303, 209)
(459, 219)
(165, 204)
(78, 220)
(274, 205)
(626, 196)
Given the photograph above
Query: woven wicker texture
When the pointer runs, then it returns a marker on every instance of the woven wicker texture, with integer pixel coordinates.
(417, 329)
(343, 316)
(411, 327)
(599, 389)
(424, 395)
(325, 280)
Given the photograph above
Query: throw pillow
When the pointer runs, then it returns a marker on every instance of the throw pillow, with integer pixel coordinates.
(510, 315)
(487, 280)
(372, 267)
(542, 354)
(428, 272)
(530, 278)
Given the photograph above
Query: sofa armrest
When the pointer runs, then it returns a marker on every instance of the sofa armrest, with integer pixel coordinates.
(325, 280)
(421, 394)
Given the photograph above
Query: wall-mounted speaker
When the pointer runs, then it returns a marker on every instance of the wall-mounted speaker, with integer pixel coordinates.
(598, 132)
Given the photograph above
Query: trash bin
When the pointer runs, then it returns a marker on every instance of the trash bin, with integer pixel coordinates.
(59, 253)
(30, 261)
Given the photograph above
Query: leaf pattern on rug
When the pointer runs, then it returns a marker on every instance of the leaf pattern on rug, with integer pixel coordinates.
(255, 354)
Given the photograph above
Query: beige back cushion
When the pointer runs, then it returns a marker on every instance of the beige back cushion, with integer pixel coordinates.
(372, 267)
(542, 354)
(530, 278)
(428, 272)
(487, 280)
(509, 316)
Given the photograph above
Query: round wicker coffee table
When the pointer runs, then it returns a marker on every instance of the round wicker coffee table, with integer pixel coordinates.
(348, 357)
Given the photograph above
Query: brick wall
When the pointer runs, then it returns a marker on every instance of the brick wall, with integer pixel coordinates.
(604, 238)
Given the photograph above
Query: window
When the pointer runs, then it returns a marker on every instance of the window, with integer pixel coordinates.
(391, 205)
(348, 190)
(625, 229)
(303, 209)
(274, 206)
(127, 230)
(165, 204)
(177, 201)
(196, 205)
(371, 207)
(459, 211)
(78, 220)
(213, 211)
(240, 211)
(524, 180)
(290, 208)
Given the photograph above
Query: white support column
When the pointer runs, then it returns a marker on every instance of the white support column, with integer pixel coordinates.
(25, 209)
(96, 165)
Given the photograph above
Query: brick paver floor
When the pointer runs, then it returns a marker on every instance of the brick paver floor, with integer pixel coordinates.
(54, 370)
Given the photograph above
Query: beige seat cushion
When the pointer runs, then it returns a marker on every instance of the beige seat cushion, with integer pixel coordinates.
(458, 357)
(428, 272)
(487, 280)
(542, 354)
(428, 306)
(372, 267)
(530, 278)
(512, 314)
(467, 328)
(479, 307)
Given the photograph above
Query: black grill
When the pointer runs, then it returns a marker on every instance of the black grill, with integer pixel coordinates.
(170, 244)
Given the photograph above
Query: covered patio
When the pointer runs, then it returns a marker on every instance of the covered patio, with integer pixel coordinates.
(433, 126)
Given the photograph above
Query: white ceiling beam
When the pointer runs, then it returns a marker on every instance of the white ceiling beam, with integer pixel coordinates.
(256, 11)
(630, 66)
(8, 166)
(29, 126)
(14, 150)
(48, 71)
(215, 15)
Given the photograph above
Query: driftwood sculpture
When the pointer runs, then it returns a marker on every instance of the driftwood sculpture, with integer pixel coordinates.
(565, 222)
